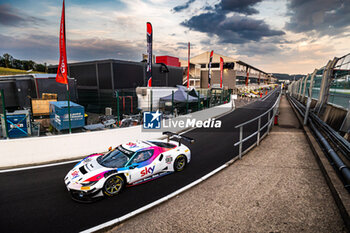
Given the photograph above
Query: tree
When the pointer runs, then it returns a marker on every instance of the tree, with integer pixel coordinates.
(40, 68)
(2, 61)
(8, 60)
(17, 64)
(28, 65)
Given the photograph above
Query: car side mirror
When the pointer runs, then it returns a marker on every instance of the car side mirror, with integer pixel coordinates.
(109, 148)
(132, 166)
(161, 157)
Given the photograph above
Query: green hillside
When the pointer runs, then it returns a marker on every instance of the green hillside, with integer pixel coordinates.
(10, 71)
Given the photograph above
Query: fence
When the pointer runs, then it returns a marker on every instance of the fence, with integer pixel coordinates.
(271, 113)
(171, 101)
(338, 90)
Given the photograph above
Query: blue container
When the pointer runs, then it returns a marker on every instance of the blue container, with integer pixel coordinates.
(59, 115)
(18, 124)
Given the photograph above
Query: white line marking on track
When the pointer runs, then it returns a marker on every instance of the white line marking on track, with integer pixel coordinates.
(151, 205)
(39, 166)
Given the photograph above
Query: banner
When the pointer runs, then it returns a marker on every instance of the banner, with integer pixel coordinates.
(149, 52)
(209, 74)
(188, 67)
(61, 76)
(221, 70)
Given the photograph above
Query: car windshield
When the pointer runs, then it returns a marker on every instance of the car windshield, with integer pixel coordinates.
(116, 158)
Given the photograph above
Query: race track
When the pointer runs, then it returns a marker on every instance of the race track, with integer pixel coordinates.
(36, 200)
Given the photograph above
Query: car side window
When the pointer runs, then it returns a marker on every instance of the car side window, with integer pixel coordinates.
(142, 156)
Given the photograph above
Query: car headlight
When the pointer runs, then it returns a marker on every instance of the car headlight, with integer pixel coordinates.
(84, 184)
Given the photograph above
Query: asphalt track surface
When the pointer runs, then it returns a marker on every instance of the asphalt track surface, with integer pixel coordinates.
(36, 200)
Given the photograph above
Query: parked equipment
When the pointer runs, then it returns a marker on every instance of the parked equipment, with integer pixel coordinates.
(59, 115)
(18, 124)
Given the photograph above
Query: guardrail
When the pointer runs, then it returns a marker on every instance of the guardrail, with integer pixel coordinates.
(270, 120)
(335, 160)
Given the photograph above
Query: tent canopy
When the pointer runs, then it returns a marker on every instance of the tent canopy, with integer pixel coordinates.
(180, 96)
(195, 94)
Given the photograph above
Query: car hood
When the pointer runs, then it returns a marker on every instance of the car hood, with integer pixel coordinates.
(87, 169)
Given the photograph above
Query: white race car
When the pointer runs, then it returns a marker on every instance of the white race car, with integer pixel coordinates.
(127, 165)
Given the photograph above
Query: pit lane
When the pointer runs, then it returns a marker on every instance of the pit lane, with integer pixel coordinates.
(36, 200)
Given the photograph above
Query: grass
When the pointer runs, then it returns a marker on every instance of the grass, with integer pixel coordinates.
(10, 71)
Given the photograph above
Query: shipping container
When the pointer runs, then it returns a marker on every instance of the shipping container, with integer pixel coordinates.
(59, 115)
(20, 89)
(168, 60)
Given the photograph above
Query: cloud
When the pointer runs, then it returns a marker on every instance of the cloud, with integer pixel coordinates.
(10, 16)
(183, 7)
(235, 29)
(96, 48)
(253, 49)
(43, 48)
(326, 17)
(239, 6)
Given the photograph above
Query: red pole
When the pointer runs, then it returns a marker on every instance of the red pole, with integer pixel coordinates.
(131, 107)
(246, 81)
(188, 67)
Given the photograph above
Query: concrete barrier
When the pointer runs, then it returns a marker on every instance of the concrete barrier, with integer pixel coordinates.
(38, 150)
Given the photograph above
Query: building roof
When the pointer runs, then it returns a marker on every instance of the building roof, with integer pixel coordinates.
(203, 58)
(250, 66)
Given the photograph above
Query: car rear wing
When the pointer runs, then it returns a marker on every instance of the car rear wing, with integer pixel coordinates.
(180, 137)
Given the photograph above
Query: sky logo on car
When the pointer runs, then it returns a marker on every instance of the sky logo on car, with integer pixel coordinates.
(152, 120)
(147, 170)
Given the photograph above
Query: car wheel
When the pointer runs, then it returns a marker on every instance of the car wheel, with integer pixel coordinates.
(180, 163)
(113, 185)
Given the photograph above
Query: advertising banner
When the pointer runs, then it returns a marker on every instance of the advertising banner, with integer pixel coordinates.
(221, 70)
(149, 52)
(61, 76)
(209, 73)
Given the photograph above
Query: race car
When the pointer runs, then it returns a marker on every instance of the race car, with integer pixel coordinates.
(128, 164)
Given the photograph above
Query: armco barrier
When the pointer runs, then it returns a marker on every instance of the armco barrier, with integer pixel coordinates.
(28, 151)
(271, 113)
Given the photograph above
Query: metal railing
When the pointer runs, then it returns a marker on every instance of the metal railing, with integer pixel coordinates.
(270, 120)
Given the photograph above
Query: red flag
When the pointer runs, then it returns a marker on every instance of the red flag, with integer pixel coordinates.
(188, 67)
(61, 76)
(221, 69)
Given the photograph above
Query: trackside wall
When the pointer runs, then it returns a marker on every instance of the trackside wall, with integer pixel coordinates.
(26, 151)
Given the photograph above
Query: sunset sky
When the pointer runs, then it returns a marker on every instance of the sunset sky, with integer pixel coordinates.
(292, 37)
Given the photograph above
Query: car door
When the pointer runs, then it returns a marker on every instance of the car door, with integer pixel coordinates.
(162, 162)
(140, 167)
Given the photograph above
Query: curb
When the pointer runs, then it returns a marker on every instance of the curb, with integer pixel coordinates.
(339, 193)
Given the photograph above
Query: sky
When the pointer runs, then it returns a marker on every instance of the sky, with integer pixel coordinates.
(276, 36)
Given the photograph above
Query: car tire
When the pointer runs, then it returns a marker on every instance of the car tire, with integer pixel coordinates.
(180, 163)
(113, 185)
